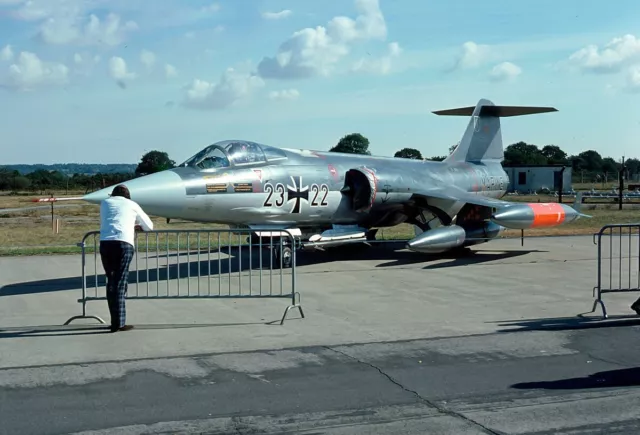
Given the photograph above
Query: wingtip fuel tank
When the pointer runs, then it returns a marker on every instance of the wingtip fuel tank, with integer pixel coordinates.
(535, 215)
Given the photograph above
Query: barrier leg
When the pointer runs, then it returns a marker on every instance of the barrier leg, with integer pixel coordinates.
(84, 294)
(604, 309)
(292, 306)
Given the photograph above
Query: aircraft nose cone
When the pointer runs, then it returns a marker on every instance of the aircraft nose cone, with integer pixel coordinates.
(155, 193)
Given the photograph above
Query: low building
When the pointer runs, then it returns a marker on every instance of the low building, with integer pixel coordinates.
(533, 178)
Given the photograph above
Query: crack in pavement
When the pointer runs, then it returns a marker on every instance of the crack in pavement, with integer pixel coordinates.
(420, 398)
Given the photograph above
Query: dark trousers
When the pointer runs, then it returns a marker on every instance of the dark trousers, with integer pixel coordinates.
(116, 258)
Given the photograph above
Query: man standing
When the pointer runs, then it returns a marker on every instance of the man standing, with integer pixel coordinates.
(118, 218)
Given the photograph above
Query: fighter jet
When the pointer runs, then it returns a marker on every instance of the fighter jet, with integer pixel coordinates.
(328, 199)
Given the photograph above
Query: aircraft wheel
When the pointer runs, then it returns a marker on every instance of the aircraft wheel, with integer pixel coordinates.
(286, 253)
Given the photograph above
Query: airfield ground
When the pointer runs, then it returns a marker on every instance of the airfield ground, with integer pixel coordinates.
(28, 232)
(392, 342)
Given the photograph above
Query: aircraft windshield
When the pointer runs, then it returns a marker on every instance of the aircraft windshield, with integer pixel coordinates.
(236, 153)
(209, 158)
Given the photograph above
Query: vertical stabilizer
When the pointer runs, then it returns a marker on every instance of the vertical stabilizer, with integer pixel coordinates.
(482, 140)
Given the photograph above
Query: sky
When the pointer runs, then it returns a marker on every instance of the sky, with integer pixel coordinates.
(105, 81)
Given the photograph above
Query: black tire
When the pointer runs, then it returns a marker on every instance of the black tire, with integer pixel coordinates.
(286, 254)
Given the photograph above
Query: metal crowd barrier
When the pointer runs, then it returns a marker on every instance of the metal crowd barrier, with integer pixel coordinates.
(618, 263)
(227, 265)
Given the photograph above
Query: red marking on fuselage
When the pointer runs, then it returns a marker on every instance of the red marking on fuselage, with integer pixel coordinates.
(333, 172)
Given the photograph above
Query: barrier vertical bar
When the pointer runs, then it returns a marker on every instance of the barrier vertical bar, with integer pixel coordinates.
(199, 271)
(178, 261)
(157, 264)
(208, 264)
(188, 263)
(240, 262)
(219, 268)
(260, 250)
(629, 286)
(620, 257)
(95, 265)
(147, 260)
(281, 262)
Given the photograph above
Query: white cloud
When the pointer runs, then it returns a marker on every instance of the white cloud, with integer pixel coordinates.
(614, 56)
(148, 59)
(66, 29)
(170, 71)
(506, 71)
(472, 55)
(6, 54)
(119, 72)
(34, 10)
(233, 86)
(633, 79)
(285, 94)
(30, 72)
(212, 8)
(380, 65)
(276, 15)
(316, 51)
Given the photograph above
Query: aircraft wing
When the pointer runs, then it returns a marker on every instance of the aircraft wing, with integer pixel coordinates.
(456, 194)
(517, 215)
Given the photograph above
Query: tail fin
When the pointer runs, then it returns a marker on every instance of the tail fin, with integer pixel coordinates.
(483, 139)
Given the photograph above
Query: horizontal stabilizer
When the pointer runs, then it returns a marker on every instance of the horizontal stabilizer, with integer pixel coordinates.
(496, 111)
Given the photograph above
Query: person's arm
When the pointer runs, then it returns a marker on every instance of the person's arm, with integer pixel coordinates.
(143, 220)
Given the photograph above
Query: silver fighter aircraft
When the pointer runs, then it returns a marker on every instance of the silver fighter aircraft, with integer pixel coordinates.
(330, 199)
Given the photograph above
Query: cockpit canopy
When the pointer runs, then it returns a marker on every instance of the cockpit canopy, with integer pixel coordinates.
(233, 153)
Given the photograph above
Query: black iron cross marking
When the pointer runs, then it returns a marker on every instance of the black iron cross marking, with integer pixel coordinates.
(296, 193)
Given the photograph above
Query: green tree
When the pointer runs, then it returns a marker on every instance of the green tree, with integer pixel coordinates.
(522, 153)
(409, 153)
(554, 155)
(154, 161)
(353, 143)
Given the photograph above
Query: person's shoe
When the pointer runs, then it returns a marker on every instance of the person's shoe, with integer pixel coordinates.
(124, 328)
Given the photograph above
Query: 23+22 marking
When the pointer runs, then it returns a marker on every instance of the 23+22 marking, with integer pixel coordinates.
(295, 193)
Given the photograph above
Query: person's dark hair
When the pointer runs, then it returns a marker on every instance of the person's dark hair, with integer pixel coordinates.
(121, 190)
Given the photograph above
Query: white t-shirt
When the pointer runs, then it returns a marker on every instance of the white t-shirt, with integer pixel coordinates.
(118, 217)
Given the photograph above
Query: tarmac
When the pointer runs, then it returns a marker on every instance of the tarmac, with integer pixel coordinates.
(501, 341)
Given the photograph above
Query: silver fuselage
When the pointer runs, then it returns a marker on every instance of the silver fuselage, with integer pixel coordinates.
(306, 189)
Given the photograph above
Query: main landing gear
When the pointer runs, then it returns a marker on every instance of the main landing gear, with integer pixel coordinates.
(281, 251)
(282, 256)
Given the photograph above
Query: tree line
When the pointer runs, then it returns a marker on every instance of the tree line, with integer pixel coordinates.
(588, 166)
(40, 179)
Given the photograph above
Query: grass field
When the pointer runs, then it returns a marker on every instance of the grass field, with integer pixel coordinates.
(30, 232)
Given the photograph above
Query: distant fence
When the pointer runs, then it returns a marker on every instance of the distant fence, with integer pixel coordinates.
(199, 264)
(618, 261)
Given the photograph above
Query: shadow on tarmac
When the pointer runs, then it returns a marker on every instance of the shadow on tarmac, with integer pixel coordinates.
(73, 330)
(580, 321)
(612, 378)
(243, 259)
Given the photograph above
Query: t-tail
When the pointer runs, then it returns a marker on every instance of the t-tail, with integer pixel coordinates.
(482, 141)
